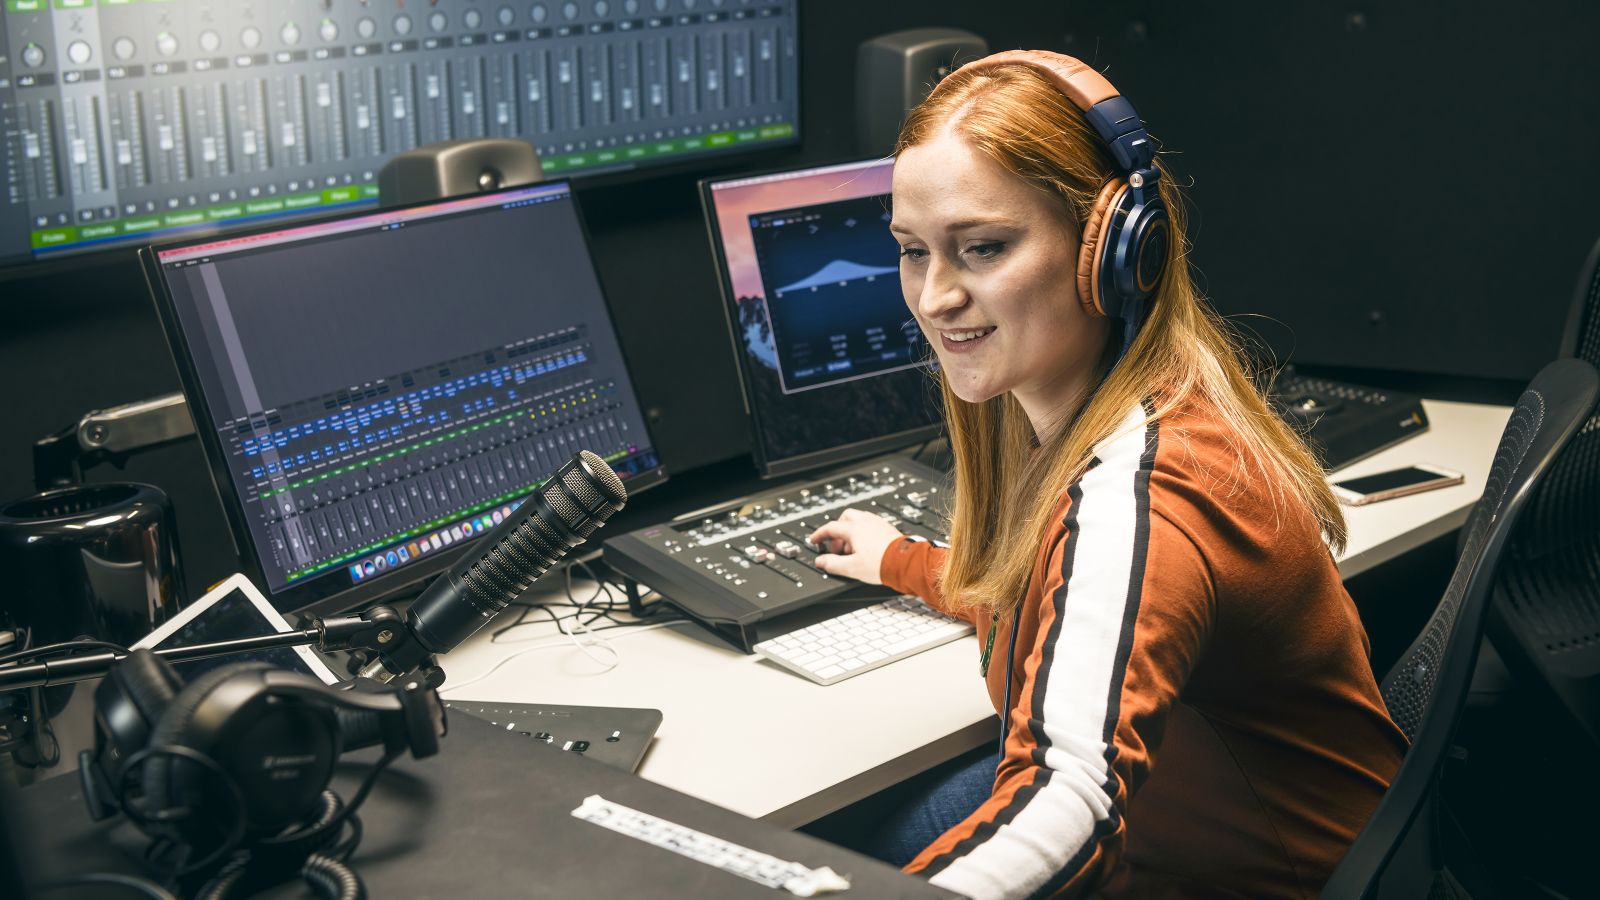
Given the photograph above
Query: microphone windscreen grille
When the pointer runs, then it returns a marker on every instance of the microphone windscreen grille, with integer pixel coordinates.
(602, 479)
(544, 540)
(490, 584)
(568, 512)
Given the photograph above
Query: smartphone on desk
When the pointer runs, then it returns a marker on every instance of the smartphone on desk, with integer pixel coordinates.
(1394, 483)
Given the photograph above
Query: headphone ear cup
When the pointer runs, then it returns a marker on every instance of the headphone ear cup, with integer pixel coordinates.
(149, 684)
(149, 681)
(1139, 252)
(1091, 253)
(168, 780)
(128, 703)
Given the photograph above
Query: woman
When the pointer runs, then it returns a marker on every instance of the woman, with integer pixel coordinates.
(1184, 683)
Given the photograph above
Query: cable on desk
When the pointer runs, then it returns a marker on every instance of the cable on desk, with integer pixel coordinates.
(578, 624)
(584, 612)
(631, 630)
(571, 625)
(39, 729)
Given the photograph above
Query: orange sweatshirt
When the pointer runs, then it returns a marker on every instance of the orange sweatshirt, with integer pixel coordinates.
(1192, 712)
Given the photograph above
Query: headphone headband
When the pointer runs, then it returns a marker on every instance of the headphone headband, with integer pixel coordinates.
(1085, 87)
(1107, 111)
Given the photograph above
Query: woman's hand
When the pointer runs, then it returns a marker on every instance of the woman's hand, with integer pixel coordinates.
(855, 543)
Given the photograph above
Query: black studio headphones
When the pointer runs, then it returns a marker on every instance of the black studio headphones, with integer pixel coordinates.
(244, 753)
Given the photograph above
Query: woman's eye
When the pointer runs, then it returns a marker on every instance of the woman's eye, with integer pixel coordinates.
(913, 253)
(986, 250)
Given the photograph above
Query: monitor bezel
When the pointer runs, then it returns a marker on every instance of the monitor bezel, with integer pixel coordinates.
(776, 467)
(323, 596)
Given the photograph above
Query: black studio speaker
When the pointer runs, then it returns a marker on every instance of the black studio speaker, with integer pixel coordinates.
(895, 71)
(453, 168)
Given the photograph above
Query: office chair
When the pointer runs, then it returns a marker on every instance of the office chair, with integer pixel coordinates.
(1399, 852)
(1545, 617)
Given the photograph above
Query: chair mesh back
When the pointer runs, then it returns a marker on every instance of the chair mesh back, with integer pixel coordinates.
(1409, 687)
(1550, 585)
(1548, 592)
(1397, 854)
(1588, 324)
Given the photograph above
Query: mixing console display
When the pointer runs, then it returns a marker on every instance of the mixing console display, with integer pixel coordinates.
(120, 119)
(435, 450)
(377, 388)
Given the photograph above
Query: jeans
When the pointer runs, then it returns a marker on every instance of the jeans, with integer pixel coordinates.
(939, 800)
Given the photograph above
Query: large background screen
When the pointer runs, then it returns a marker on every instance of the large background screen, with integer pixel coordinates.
(125, 119)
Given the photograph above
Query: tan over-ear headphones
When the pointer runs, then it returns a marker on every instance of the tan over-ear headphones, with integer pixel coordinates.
(1124, 250)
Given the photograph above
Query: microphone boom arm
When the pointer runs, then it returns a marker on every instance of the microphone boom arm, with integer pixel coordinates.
(380, 630)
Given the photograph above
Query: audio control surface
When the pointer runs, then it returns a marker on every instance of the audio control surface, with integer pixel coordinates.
(1344, 422)
(748, 561)
(617, 736)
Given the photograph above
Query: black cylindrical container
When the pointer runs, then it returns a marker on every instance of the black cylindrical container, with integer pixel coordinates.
(94, 559)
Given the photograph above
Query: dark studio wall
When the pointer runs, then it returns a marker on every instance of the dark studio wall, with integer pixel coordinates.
(1402, 185)
(1385, 188)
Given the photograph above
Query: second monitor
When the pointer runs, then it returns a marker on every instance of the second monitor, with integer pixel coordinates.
(833, 366)
(374, 391)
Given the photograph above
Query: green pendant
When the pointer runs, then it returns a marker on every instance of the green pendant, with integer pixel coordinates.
(988, 647)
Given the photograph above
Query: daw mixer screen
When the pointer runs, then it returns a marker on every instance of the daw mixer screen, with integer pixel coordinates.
(122, 119)
(380, 388)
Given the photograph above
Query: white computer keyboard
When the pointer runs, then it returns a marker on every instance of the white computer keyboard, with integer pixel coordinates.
(862, 640)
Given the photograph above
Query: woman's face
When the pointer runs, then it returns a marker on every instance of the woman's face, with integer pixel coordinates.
(988, 266)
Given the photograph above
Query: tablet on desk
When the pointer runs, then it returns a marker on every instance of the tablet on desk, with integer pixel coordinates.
(232, 609)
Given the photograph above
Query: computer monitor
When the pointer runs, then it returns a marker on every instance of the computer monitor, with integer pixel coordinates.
(127, 122)
(834, 367)
(374, 391)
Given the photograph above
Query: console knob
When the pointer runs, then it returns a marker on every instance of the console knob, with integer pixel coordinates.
(79, 52)
(539, 13)
(33, 56)
(123, 48)
(506, 16)
(250, 37)
(328, 30)
(290, 33)
(366, 28)
(210, 41)
(472, 19)
(166, 43)
(437, 21)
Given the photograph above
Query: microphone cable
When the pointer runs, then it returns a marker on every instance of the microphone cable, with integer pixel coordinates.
(314, 852)
(39, 728)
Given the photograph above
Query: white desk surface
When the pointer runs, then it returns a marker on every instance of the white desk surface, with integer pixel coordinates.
(742, 733)
(1460, 436)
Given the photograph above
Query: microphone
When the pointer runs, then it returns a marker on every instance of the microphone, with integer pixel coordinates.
(577, 499)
